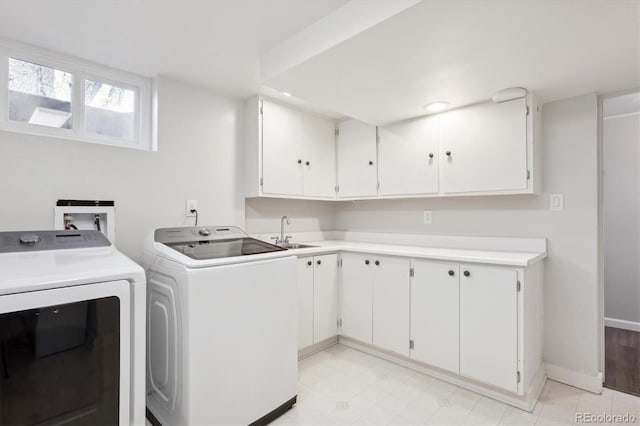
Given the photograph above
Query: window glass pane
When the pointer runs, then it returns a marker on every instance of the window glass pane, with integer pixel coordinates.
(109, 110)
(39, 94)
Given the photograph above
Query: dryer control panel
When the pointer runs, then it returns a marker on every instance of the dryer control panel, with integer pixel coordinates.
(27, 241)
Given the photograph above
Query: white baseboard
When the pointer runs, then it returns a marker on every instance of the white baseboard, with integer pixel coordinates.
(318, 347)
(579, 379)
(623, 324)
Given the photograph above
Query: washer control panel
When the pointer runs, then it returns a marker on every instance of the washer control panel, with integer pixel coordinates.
(198, 233)
(27, 241)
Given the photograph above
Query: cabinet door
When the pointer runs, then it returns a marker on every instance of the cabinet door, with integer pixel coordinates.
(391, 304)
(435, 326)
(487, 146)
(325, 297)
(408, 157)
(357, 160)
(282, 149)
(356, 296)
(319, 157)
(305, 302)
(489, 326)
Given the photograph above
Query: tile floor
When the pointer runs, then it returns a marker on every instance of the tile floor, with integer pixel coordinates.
(342, 386)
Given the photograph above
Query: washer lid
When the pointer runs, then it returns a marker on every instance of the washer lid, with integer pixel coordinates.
(201, 243)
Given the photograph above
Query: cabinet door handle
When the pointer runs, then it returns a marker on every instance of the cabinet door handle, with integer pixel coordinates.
(377, 262)
(371, 163)
(299, 161)
(451, 273)
(309, 263)
(319, 262)
(366, 262)
(431, 155)
(448, 153)
(308, 163)
(467, 273)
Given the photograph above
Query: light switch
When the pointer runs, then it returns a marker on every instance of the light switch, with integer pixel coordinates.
(428, 217)
(556, 202)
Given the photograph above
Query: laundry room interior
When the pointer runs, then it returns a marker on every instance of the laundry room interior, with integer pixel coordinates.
(329, 212)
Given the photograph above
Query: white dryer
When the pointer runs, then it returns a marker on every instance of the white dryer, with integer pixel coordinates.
(72, 326)
(222, 346)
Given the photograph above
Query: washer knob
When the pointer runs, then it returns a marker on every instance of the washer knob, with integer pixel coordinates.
(29, 239)
(204, 232)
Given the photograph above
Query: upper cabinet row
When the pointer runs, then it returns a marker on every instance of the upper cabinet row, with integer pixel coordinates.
(483, 149)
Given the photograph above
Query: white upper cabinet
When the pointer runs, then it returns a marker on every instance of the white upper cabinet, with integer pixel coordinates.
(408, 158)
(483, 148)
(288, 153)
(357, 173)
(319, 157)
(283, 134)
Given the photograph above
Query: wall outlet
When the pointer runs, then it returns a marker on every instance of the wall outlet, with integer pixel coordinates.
(556, 202)
(428, 217)
(191, 205)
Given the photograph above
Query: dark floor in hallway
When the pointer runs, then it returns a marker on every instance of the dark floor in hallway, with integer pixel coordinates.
(622, 358)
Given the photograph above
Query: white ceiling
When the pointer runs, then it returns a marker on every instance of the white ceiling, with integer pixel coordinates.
(212, 43)
(463, 51)
(460, 51)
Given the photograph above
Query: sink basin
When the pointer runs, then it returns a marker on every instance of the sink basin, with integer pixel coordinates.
(295, 246)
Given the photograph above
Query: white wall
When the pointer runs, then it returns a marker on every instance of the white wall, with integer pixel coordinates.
(199, 141)
(263, 215)
(621, 216)
(571, 272)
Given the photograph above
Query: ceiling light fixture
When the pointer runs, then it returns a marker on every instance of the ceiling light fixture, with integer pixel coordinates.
(286, 93)
(437, 106)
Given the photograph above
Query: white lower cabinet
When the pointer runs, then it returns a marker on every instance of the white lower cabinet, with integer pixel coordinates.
(325, 297)
(472, 323)
(489, 325)
(305, 302)
(435, 310)
(317, 299)
(375, 301)
(391, 304)
(356, 297)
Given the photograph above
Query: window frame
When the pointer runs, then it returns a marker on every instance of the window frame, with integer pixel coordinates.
(80, 71)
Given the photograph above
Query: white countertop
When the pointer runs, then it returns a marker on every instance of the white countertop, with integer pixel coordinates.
(509, 258)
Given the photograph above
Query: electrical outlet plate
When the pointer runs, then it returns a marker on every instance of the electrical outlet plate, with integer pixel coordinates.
(428, 217)
(556, 202)
(191, 205)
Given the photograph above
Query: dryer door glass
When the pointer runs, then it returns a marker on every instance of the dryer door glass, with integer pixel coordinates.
(61, 364)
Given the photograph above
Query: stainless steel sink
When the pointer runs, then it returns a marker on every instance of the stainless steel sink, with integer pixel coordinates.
(293, 246)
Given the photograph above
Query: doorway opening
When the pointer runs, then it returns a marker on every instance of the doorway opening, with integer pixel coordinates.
(620, 204)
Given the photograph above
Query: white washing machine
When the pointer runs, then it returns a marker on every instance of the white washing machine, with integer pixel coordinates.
(72, 327)
(222, 328)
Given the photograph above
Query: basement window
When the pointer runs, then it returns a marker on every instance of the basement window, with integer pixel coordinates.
(110, 110)
(51, 95)
(39, 94)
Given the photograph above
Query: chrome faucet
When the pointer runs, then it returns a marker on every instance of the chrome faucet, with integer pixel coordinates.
(282, 240)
